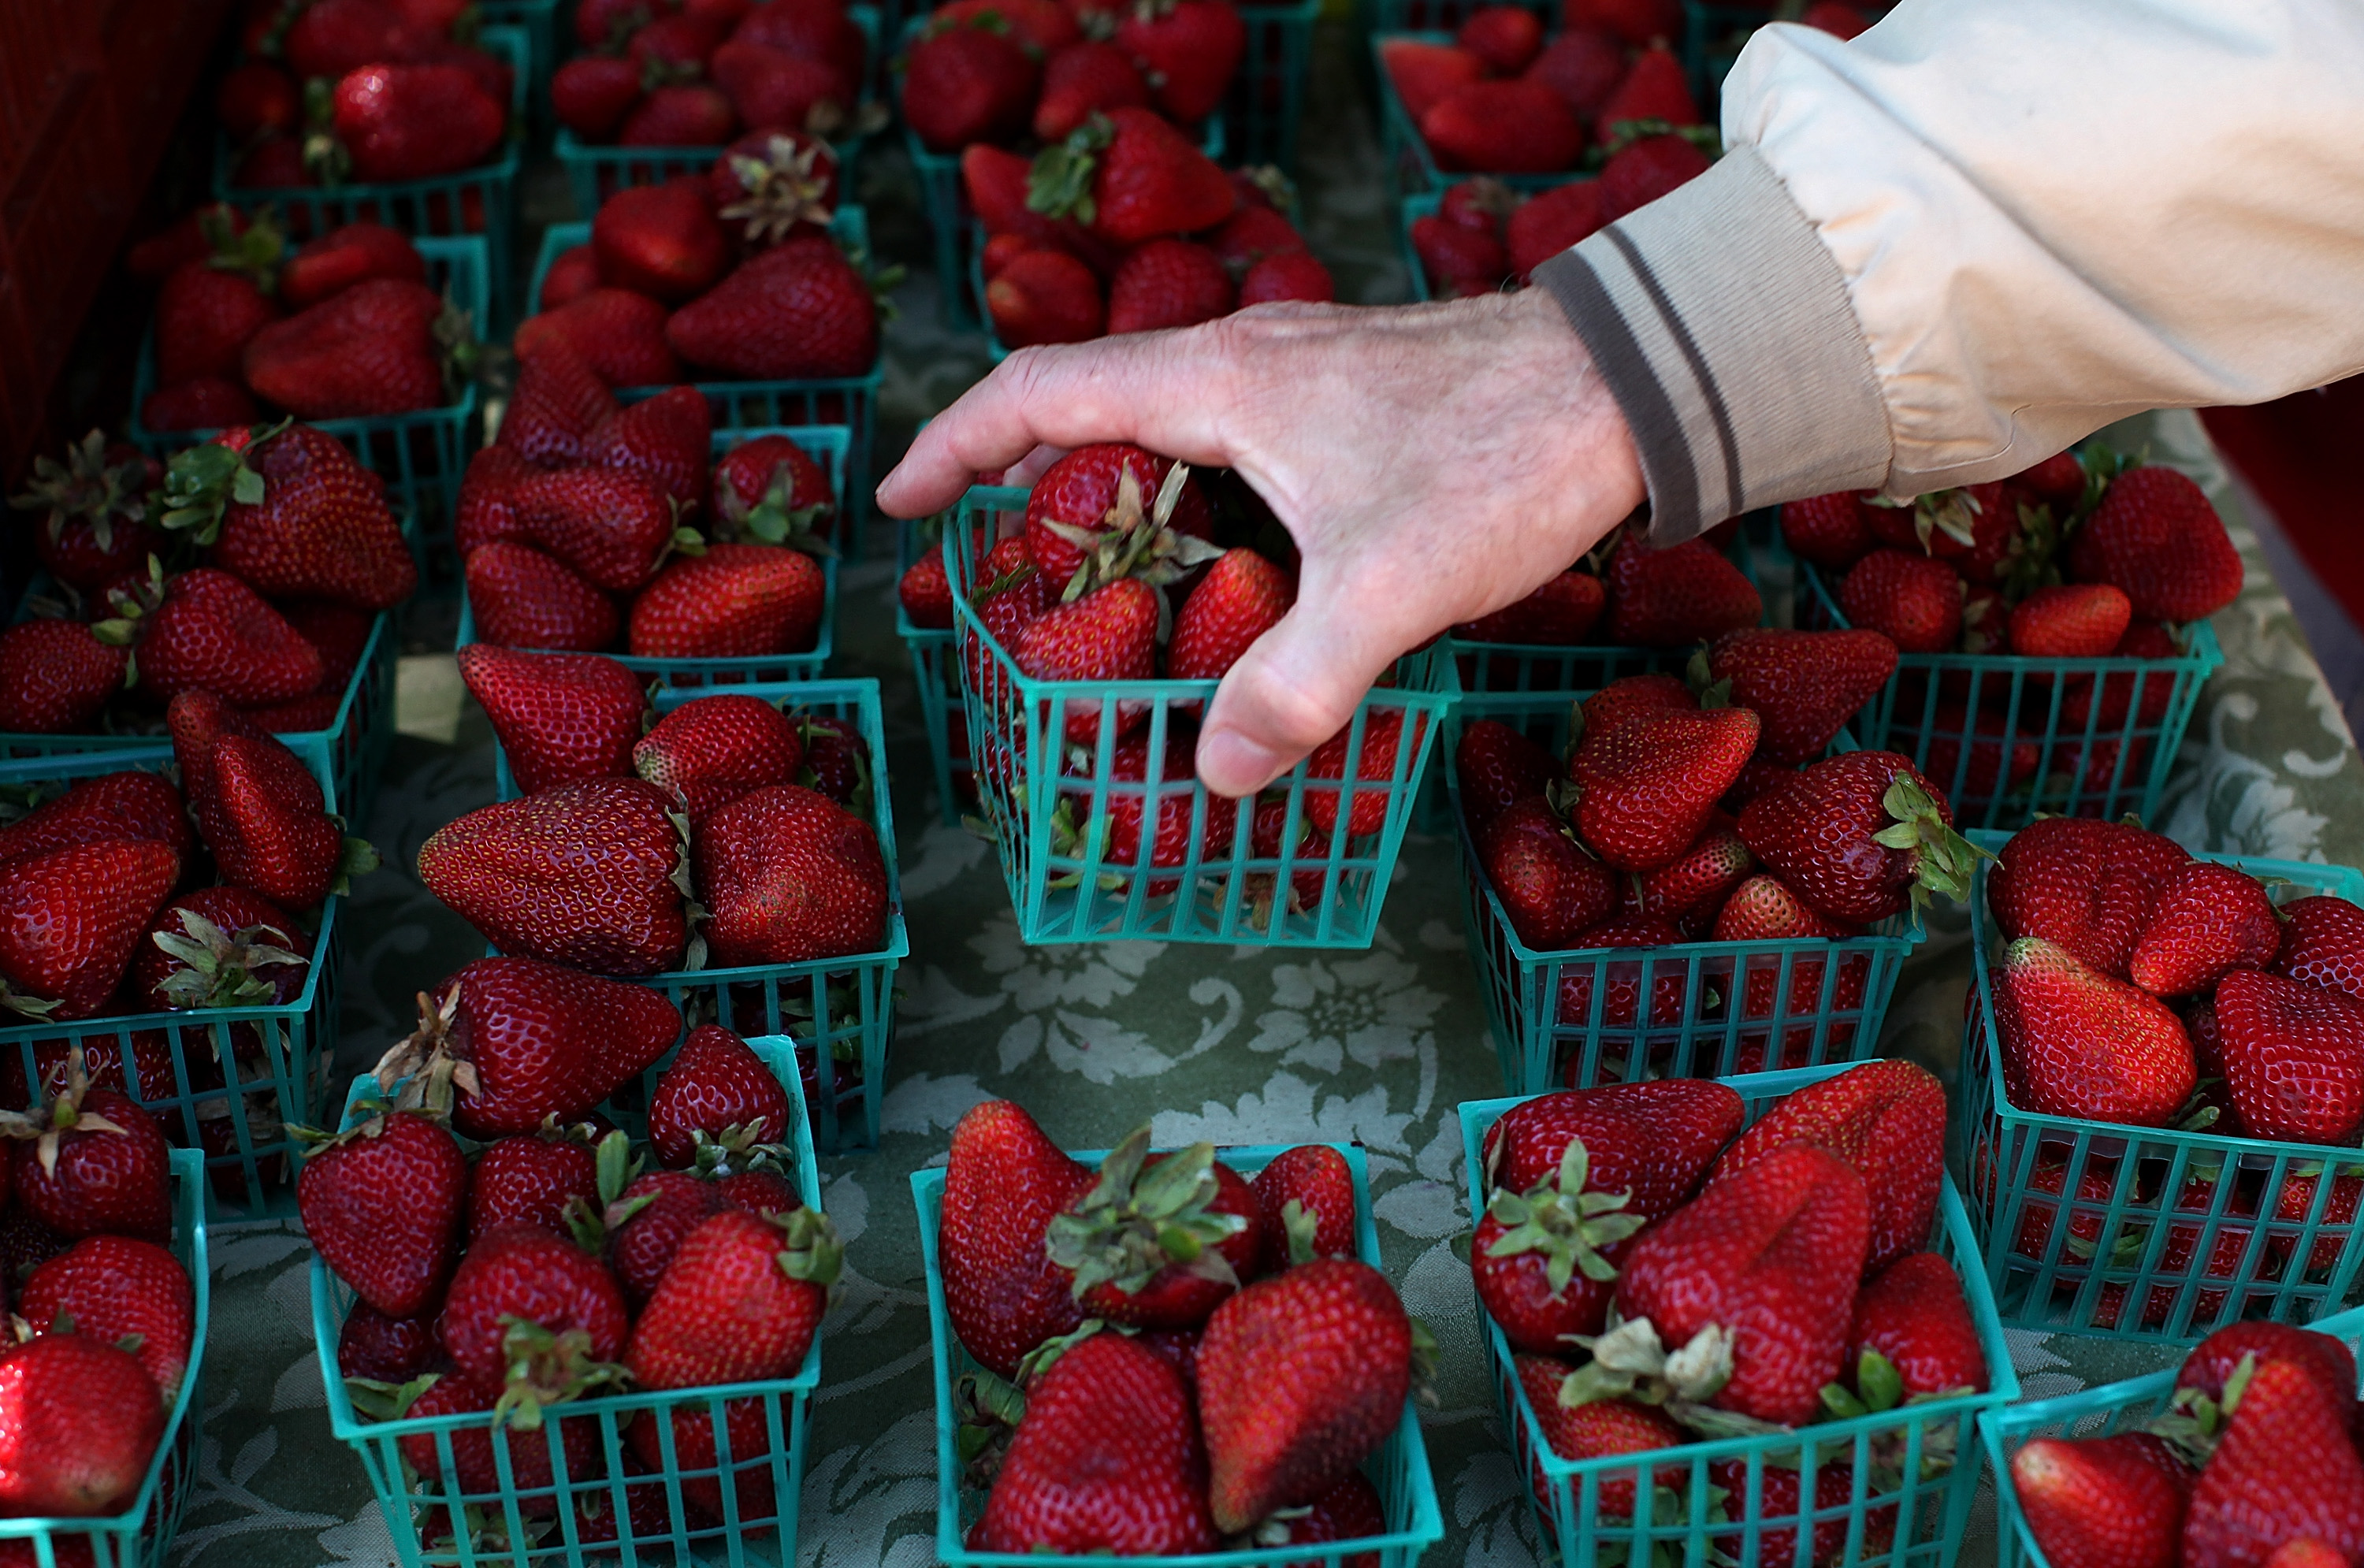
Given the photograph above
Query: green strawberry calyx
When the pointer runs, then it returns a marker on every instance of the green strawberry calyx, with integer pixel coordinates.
(1060, 184)
(2193, 1422)
(617, 1168)
(1699, 675)
(811, 1251)
(85, 486)
(217, 967)
(427, 1068)
(1629, 1363)
(256, 251)
(1623, 134)
(986, 1409)
(781, 189)
(1301, 1224)
(547, 1368)
(48, 1125)
(1135, 1223)
(739, 1148)
(693, 913)
(201, 482)
(381, 1401)
(1038, 1360)
(1954, 513)
(773, 517)
(1568, 1224)
(1943, 860)
(1132, 540)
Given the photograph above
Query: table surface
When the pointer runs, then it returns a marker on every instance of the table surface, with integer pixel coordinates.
(1238, 1046)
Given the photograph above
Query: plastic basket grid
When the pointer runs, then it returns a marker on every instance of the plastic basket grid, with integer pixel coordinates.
(2089, 1412)
(1927, 1513)
(1934, 707)
(596, 172)
(1575, 1019)
(480, 201)
(827, 445)
(934, 670)
(841, 1008)
(2195, 1261)
(756, 407)
(537, 19)
(1399, 1470)
(1265, 106)
(1327, 897)
(141, 1536)
(246, 1073)
(1411, 165)
(525, 1527)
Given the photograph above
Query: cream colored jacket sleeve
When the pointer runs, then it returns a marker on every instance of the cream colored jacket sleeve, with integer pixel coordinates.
(1979, 232)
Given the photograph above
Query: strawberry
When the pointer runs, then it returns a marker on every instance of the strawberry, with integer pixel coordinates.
(1765, 1261)
(717, 1093)
(2322, 941)
(1640, 173)
(1599, 1428)
(1778, 1494)
(1085, 78)
(2212, 1365)
(111, 1287)
(1561, 613)
(1286, 274)
(1135, 1237)
(71, 920)
(657, 1213)
(837, 762)
(1531, 1245)
(1613, 704)
(1115, 835)
(1886, 1119)
(1915, 600)
(1551, 888)
(414, 122)
(1583, 66)
(1803, 685)
(661, 240)
(350, 254)
(1655, 87)
(1081, 501)
(1003, 1184)
(82, 1423)
(340, 632)
(1515, 126)
(736, 601)
(474, 1466)
(1854, 832)
(1301, 1377)
(2082, 620)
(386, 1349)
(1107, 1460)
(1650, 783)
(790, 876)
(532, 1314)
(293, 516)
(530, 1178)
(925, 592)
(1349, 1511)
(967, 83)
(665, 439)
(2210, 919)
(673, 46)
(1507, 37)
(1621, 998)
(1130, 177)
(2293, 1057)
(523, 598)
(1838, 19)
(592, 95)
(1496, 767)
(1552, 221)
(1168, 284)
(741, 1302)
(338, 36)
(256, 98)
(215, 634)
(2156, 536)
(1653, 1140)
(759, 1192)
(1762, 909)
(1042, 26)
(2284, 1471)
(1044, 297)
(709, 752)
(769, 185)
(2088, 886)
(1306, 1196)
(98, 503)
(275, 163)
(209, 308)
(2079, 1043)
(1423, 74)
(1913, 1337)
(129, 805)
(1828, 530)
(622, 334)
(1108, 634)
(262, 817)
(1187, 50)
(221, 946)
(1383, 734)
(91, 1163)
(560, 717)
(57, 676)
(559, 401)
(2113, 1502)
(382, 1204)
(774, 90)
(797, 311)
(769, 489)
(1459, 260)
(1692, 888)
(614, 527)
(1687, 593)
(205, 403)
(1242, 597)
(683, 115)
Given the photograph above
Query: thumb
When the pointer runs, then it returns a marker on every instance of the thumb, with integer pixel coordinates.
(1295, 687)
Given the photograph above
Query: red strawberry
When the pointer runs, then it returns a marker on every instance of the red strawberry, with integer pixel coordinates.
(1854, 832)
(1667, 598)
(2083, 621)
(1692, 888)
(1110, 634)
(1116, 836)
(91, 1161)
(673, 46)
(1085, 78)
(129, 805)
(1349, 1511)
(1242, 597)
(2323, 942)
(1583, 66)
(2293, 1057)
(1507, 37)
(665, 439)
(769, 489)
(1915, 600)
(1187, 50)
(2284, 1471)
(1640, 173)
(2076, 1042)
(790, 876)
(716, 1093)
(532, 1314)
(222, 947)
(530, 1178)
(2156, 536)
(559, 401)
(1544, 1261)
(1914, 1318)
(967, 83)
(1306, 1195)
(350, 254)
(1301, 1377)
(71, 920)
(1828, 530)
(475, 1467)
(1423, 74)
(560, 717)
(926, 592)
(1561, 613)
(710, 751)
(1886, 1119)
(56, 676)
(1003, 1184)
(2113, 1502)
(1613, 704)
(1044, 297)
(736, 601)
(1599, 1428)
(772, 184)
(1044, 27)
(1512, 126)
(1804, 685)
(1459, 260)
(382, 1205)
(1383, 737)
(114, 1287)
(263, 817)
(772, 89)
(684, 115)
(1653, 88)
(523, 598)
(215, 634)
(83, 1423)
(276, 163)
(620, 334)
(98, 502)
(1496, 767)
(1551, 888)
(1762, 909)
(414, 122)
(742, 1301)
(386, 1349)
(1130, 177)
(2210, 1366)
(797, 311)
(293, 516)
(1621, 998)
(209, 308)
(1134, 1238)
(1650, 783)
(614, 527)
(255, 98)
(1551, 221)
(1084, 494)
(201, 403)
(660, 1210)
(2209, 919)
(1836, 18)
(837, 762)
(592, 95)
(2088, 886)
(1653, 1140)
(661, 240)
(1166, 284)
(1778, 1495)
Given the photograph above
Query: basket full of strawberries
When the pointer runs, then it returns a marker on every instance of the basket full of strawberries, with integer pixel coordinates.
(1721, 1314)
(2161, 1065)
(555, 1324)
(1215, 1320)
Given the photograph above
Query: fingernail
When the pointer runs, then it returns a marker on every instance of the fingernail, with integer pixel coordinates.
(1230, 763)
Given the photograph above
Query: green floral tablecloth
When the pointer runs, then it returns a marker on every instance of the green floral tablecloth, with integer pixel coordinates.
(1237, 1045)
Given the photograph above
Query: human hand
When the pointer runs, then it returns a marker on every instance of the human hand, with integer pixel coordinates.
(1433, 462)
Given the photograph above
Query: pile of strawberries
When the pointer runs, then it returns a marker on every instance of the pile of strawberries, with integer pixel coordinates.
(1485, 237)
(369, 92)
(298, 550)
(699, 73)
(731, 275)
(573, 527)
(1637, 596)
(543, 1261)
(343, 326)
(1169, 1358)
(1662, 1276)
(729, 834)
(2254, 1460)
(1126, 226)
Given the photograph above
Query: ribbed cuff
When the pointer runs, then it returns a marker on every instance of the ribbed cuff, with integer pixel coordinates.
(1721, 322)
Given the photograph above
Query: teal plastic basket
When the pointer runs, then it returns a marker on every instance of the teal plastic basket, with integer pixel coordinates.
(520, 1528)
(2113, 1407)
(1927, 1512)
(1554, 1015)
(141, 1536)
(595, 173)
(2201, 1229)
(937, 675)
(842, 1009)
(827, 446)
(480, 201)
(1265, 106)
(421, 455)
(538, 20)
(2040, 758)
(1713, 36)
(237, 1076)
(1026, 770)
(1399, 1470)
(1411, 165)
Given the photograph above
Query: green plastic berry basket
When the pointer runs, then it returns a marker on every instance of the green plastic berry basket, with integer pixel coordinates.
(2125, 1406)
(937, 674)
(1411, 168)
(1937, 705)
(1265, 106)
(227, 1081)
(1577, 1017)
(480, 201)
(840, 1010)
(1399, 1470)
(434, 1523)
(827, 446)
(141, 1534)
(756, 408)
(1923, 1509)
(595, 173)
(422, 455)
(2196, 1259)
(538, 20)
(1031, 782)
